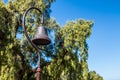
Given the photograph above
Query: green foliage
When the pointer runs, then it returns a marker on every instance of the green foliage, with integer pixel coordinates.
(71, 52)
(14, 64)
(68, 52)
(94, 76)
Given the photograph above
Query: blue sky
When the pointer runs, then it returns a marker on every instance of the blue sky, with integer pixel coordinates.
(104, 42)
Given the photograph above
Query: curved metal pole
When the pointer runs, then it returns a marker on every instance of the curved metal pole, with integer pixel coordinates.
(37, 49)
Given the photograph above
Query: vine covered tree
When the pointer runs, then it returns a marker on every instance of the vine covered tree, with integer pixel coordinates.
(64, 59)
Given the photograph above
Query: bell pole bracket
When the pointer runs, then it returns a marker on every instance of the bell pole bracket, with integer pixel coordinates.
(34, 45)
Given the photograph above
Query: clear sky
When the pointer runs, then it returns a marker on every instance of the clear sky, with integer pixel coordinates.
(104, 42)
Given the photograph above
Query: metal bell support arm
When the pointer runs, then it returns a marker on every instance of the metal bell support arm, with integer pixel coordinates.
(37, 49)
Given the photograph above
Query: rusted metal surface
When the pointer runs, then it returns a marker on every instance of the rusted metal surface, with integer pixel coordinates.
(41, 37)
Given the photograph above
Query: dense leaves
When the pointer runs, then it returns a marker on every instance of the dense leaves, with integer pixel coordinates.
(64, 59)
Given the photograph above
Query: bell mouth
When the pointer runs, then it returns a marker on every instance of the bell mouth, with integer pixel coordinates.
(41, 41)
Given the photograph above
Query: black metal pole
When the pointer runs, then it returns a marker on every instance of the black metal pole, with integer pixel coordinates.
(37, 49)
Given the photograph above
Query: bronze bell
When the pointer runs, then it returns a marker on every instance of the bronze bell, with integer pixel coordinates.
(41, 37)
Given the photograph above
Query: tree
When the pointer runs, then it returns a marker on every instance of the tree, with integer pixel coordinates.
(71, 52)
(14, 63)
(64, 59)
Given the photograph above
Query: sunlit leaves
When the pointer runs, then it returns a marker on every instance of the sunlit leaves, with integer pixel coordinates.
(76, 33)
(94, 76)
(70, 62)
(12, 51)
